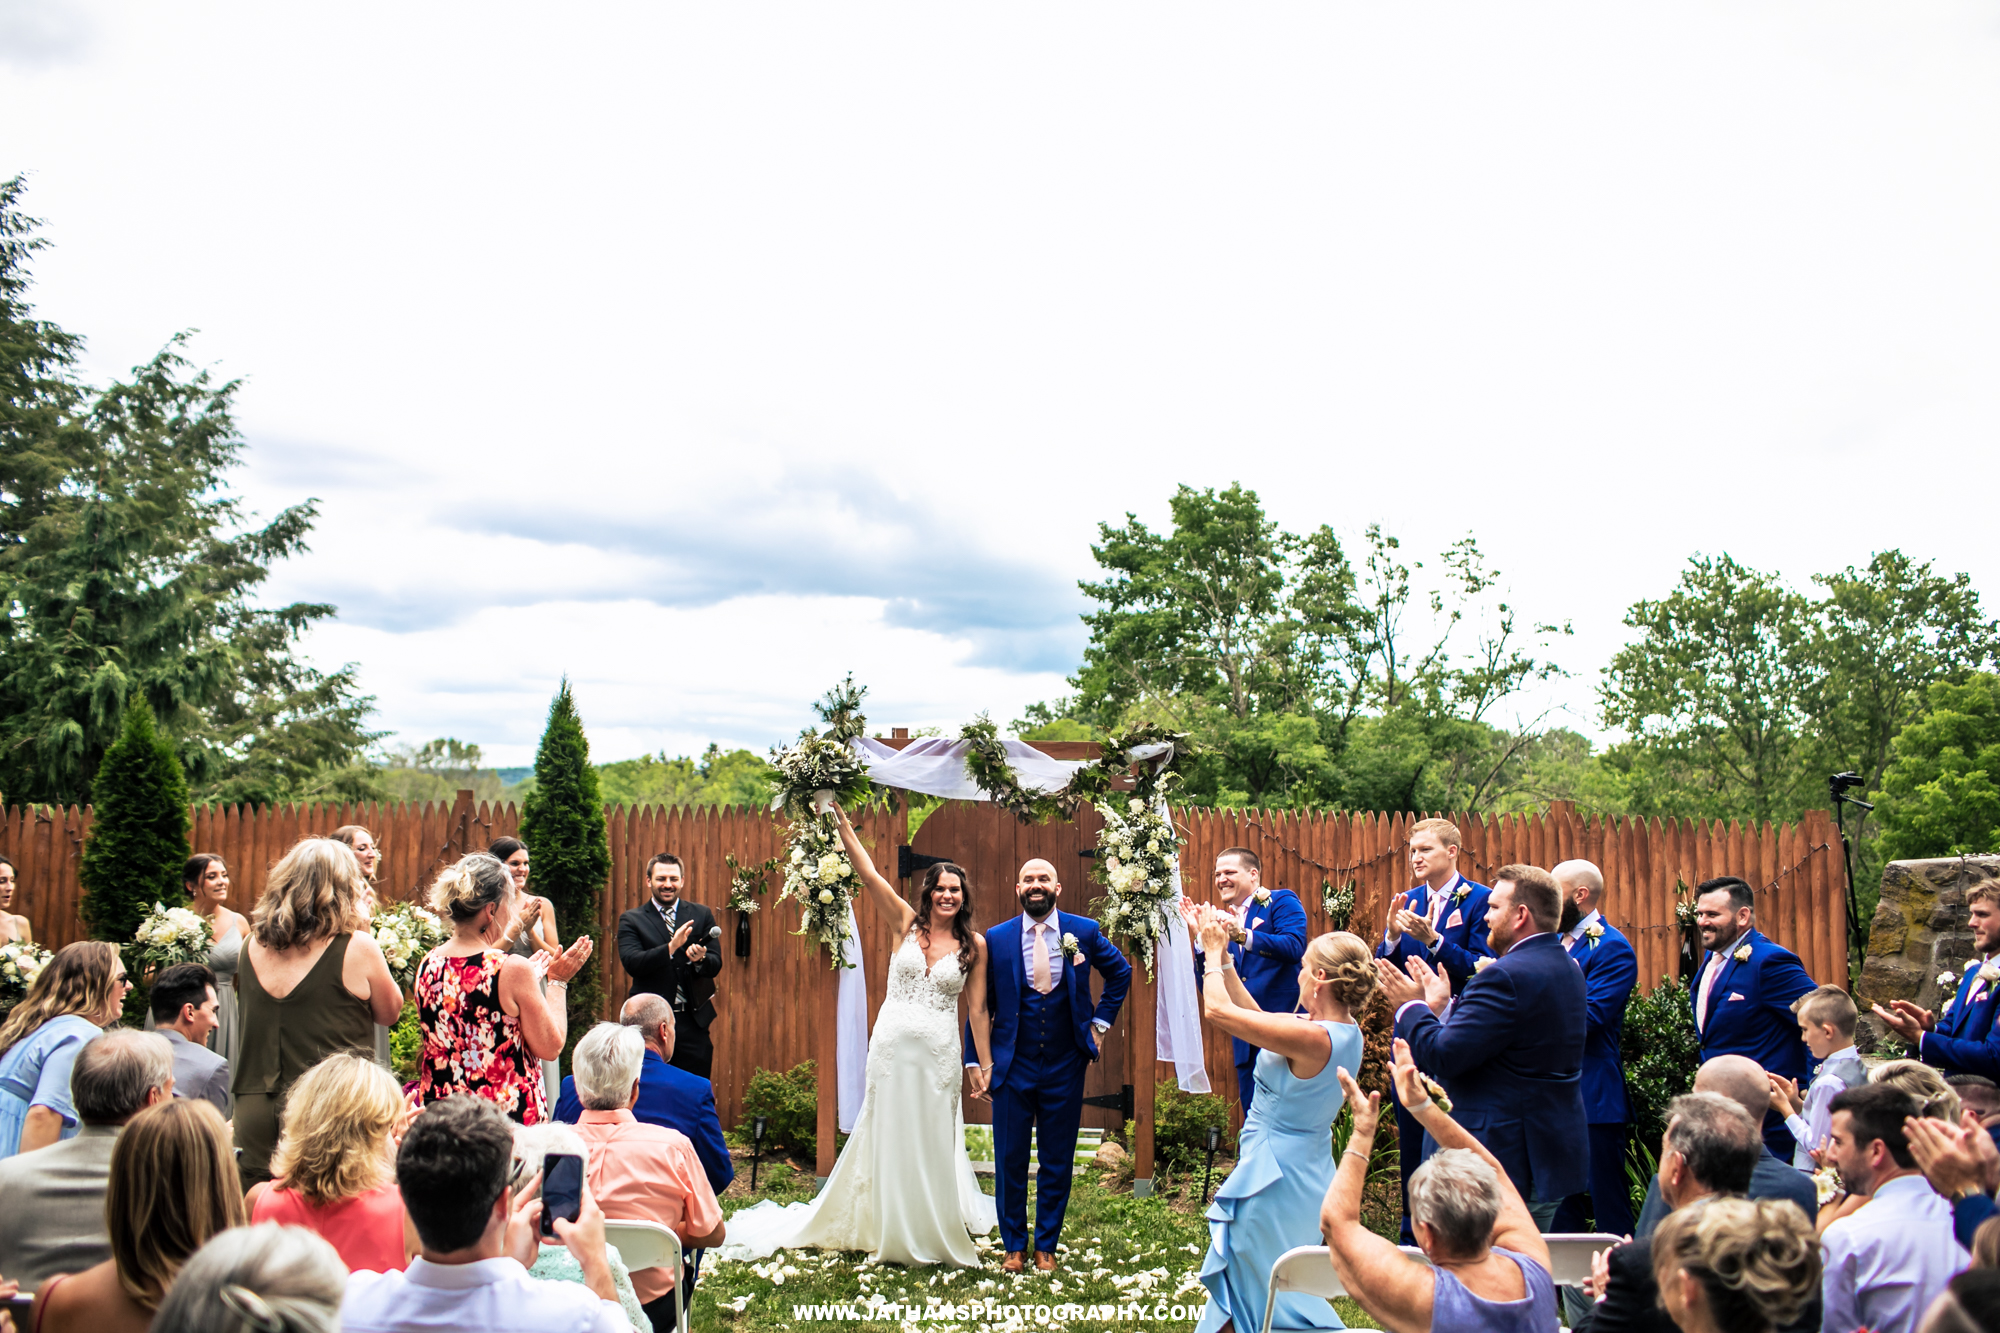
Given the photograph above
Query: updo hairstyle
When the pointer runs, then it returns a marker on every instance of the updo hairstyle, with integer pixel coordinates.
(1756, 1259)
(477, 882)
(1345, 964)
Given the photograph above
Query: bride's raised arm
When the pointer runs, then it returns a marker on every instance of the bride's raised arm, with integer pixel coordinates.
(887, 901)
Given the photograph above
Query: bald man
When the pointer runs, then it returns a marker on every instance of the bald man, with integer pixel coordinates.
(1045, 1032)
(1741, 1080)
(1610, 970)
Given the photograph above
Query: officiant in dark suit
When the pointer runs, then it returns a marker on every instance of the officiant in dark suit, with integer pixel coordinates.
(666, 948)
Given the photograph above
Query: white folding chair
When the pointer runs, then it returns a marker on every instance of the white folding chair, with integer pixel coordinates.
(650, 1245)
(1307, 1270)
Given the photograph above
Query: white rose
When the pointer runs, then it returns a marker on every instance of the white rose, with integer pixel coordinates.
(1136, 806)
(826, 895)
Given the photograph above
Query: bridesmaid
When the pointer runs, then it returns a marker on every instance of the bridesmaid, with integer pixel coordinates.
(206, 880)
(362, 843)
(536, 933)
(314, 983)
(13, 929)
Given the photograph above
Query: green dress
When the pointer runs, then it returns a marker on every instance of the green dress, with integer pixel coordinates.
(280, 1039)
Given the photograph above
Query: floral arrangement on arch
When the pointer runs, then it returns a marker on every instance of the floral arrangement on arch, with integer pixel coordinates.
(822, 881)
(815, 773)
(20, 964)
(170, 936)
(1337, 903)
(407, 932)
(747, 882)
(1137, 853)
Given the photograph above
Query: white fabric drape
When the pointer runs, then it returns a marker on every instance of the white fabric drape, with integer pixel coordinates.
(851, 1030)
(935, 766)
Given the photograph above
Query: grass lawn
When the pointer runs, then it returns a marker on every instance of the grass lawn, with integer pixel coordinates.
(1116, 1251)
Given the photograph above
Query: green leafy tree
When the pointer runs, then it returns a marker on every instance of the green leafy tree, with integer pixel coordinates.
(1304, 681)
(1716, 686)
(562, 820)
(128, 571)
(138, 843)
(719, 777)
(1940, 794)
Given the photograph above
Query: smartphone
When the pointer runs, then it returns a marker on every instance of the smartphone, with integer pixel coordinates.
(562, 1190)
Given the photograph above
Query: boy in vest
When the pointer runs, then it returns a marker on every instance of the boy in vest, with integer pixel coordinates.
(1826, 1021)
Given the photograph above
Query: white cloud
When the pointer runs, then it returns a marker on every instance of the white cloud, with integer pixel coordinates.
(567, 314)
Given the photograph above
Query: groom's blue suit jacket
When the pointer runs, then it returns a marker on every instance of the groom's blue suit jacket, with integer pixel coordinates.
(1510, 1053)
(1007, 980)
(1750, 1007)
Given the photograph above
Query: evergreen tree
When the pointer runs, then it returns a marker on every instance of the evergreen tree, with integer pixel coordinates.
(138, 842)
(128, 570)
(562, 821)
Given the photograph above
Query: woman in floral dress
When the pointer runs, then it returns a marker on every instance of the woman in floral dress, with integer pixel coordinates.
(485, 1020)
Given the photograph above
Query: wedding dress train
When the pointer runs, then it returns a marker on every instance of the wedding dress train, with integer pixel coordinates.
(903, 1189)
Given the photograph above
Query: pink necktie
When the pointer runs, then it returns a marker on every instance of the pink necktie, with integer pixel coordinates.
(1043, 982)
(1707, 981)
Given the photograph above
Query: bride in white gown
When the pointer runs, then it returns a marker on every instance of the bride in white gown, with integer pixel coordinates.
(903, 1189)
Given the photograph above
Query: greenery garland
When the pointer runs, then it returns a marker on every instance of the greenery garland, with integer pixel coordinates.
(747, 882)
(987, 763)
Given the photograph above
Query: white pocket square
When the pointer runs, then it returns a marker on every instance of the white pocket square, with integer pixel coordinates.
(1736, 995)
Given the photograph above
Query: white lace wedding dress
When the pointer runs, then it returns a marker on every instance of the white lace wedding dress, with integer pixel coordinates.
(903, 1189)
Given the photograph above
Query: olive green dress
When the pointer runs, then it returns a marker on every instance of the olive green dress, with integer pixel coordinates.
(280, 1039)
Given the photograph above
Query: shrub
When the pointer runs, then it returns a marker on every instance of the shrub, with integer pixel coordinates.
(138, 841)
(406, 1043)
(1661, 1051)
(1180, 1125)
(791, 1100)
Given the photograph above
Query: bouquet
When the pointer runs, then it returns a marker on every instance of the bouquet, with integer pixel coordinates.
(406, 933)
(822, 881)
(1338, 903)
(1137, 854)
(170, 936)
(20, 964)
(824, 761)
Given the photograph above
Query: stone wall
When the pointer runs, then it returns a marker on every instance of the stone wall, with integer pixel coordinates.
(1919, 931)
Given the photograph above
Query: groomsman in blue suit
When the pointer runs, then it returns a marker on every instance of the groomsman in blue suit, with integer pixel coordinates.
(1610, 970)
(1961, 1039)
(1743, 995)
(1442, 921)
(1045, 1032)
(1510, 1051)
(1267, 957)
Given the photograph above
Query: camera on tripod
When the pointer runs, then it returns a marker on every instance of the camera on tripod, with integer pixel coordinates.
(1842, 783)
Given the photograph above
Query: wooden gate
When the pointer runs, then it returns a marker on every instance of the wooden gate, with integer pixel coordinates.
(991, 844)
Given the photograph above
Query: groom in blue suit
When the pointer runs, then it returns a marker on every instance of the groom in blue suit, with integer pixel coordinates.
(1045, 1032)
(1961, 1039)
(1743, 995)
(1267, 957)
(1510, 1051)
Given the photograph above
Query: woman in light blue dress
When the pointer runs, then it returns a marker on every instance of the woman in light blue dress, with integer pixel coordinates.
(78, 994)
(1284, 1159)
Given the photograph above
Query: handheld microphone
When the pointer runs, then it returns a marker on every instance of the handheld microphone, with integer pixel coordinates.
(715, 932)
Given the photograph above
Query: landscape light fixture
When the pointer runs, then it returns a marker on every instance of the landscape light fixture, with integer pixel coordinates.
(757, 1127)
(1214, 1142)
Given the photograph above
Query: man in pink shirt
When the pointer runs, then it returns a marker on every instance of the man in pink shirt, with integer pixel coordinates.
(641, 1172)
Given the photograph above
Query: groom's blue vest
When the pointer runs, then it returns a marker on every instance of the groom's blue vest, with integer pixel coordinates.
(1043, 1038)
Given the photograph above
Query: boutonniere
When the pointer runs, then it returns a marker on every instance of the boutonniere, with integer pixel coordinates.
(1990, 974)
(1594, 932)
(1481, 964)
(1070, 948)
(1262, 895)
(1464, 892)
(1743, 954)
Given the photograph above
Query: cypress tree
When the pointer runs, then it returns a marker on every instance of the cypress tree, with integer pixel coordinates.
(138, 842)
(562, 821)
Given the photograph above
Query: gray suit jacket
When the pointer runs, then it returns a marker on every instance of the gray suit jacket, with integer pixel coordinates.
(53, 1219)
(198, 1072)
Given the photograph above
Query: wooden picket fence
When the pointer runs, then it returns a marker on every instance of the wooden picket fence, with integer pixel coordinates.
(771, 1004)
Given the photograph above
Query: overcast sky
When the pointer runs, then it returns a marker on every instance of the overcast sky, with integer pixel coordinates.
(706, 352)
